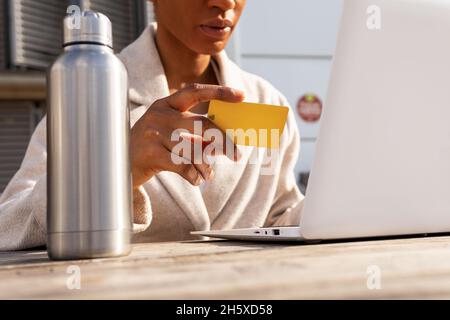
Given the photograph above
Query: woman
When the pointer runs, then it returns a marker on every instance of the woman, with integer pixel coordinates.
(175, 67)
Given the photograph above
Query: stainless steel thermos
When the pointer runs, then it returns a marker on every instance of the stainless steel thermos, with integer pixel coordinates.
(89, 192)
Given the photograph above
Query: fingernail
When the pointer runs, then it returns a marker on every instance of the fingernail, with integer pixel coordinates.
(199, 180)
(209, 174)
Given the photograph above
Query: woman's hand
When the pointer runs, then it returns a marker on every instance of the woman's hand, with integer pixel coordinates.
(151, 145)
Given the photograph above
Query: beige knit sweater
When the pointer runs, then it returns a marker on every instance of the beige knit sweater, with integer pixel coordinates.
(167, 207)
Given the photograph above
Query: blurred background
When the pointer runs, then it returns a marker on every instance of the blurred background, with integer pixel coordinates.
(288, 42)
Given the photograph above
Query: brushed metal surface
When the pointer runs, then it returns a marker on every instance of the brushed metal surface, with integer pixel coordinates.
(94, 27)
(88, 244)
(89, 177)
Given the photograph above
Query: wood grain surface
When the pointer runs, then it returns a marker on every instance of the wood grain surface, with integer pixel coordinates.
(409, 268)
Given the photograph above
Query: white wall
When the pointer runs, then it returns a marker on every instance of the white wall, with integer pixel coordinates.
(290, 43)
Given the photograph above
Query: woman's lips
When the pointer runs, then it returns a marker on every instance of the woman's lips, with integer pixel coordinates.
(215, 32)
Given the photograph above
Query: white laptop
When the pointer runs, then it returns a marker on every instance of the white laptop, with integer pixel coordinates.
(382, 160)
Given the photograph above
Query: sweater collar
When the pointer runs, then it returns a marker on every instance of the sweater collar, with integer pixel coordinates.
(147, 79)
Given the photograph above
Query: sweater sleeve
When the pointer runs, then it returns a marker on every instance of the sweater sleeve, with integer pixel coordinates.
(23, 204)
(288, 200)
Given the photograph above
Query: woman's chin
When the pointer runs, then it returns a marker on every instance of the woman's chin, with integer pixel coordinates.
(212, 47)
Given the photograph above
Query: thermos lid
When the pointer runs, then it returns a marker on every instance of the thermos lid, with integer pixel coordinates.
(87, 27)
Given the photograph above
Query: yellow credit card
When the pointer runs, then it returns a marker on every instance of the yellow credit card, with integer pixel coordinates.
(250, 124)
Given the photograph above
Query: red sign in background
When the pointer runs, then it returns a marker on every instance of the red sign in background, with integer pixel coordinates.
(309, 107)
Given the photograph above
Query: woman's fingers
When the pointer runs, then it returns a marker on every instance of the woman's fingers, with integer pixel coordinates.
(189, 150)
(210, 130)
(174, 163)
(170, 114)
(186, 98)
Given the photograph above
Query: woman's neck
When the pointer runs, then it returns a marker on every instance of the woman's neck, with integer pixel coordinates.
(182, 65)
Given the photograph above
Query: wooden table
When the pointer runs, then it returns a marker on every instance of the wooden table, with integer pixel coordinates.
(407, 268)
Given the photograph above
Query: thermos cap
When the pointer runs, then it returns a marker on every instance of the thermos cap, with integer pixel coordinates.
(87, 27)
